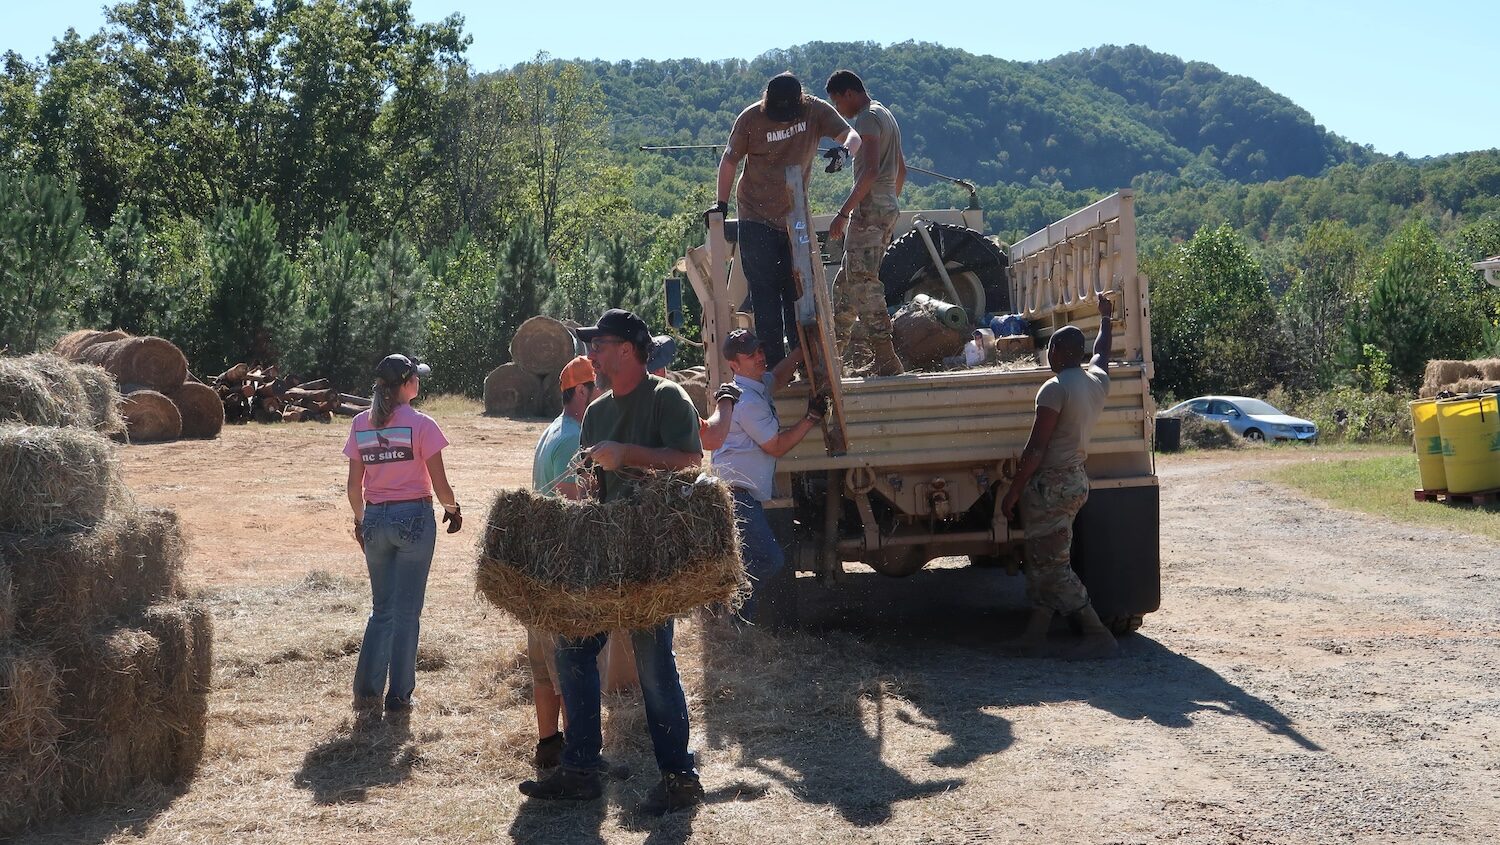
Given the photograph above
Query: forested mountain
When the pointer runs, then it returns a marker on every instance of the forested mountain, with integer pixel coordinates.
(1095, 118)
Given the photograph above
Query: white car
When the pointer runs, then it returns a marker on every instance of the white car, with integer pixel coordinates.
(1251, 419)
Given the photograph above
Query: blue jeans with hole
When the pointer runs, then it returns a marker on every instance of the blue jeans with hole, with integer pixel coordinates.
(758, 547)
(661, 689)
(399, 541)
(765, 257)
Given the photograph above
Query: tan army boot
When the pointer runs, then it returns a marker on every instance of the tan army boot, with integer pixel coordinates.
(1097, 642)
(887, 362)
(1033, 641)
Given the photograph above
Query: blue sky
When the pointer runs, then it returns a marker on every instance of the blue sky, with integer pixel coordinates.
(1420, 78)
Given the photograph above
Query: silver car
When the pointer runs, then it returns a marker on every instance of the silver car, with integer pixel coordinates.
(1251, 419)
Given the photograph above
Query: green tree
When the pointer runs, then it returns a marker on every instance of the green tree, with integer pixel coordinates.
(43, 248)
(392, 320)
(1315, 309)
(464, 329)
(337, 279)
(254, 286)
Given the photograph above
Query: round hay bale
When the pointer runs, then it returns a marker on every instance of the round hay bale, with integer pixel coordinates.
(578, 568)
(61, 377)
(1439, 374)
(55, 478)
(103, 397)
(542, 346)
(694, 380)
(29, 692)
(150, 417)
(548, 397)
(152, 361)
(921, 337)
(201, 408)
(509, 391)
(72, 344)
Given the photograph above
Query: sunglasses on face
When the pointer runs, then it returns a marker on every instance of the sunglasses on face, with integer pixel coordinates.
(598, 343)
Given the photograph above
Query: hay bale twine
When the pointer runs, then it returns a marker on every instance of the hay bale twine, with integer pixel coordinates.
(509, 391)
(152, 361)
(577, 568)
(103, 396)
(150, 417)
(542, 346)
(201, 408)
(1439, 374)
(549, 396)
(72, 344)
(55, 478)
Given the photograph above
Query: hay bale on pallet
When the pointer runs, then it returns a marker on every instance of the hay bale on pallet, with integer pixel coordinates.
(201, 408)
(151, 361)
(694, 381)
(66, 581)
(72, 344)
(509, 391)
(548, 396)
(542, 346)
(150, 417)
(55, 479)
(577, 568)
(1439, 374)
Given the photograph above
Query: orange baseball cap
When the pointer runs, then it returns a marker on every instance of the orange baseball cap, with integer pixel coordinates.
(578, 371)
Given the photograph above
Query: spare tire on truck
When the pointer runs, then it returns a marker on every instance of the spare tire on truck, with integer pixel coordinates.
(972, 261)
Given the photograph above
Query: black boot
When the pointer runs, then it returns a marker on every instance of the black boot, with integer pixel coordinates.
(548, 753)
(675, 792)
(564, 785)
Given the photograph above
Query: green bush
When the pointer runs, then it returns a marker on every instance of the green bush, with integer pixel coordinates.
(1348, 415)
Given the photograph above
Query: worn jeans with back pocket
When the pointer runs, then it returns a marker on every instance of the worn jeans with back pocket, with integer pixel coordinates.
(399, 541)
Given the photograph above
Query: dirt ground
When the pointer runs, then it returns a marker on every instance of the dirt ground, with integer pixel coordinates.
(1313, 676)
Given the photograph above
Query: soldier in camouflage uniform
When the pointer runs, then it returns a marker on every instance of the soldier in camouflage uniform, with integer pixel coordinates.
(1051, 486)
(868, 217)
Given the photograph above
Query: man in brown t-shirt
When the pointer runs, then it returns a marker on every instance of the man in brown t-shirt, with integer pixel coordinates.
(869, 217)
(783, 129)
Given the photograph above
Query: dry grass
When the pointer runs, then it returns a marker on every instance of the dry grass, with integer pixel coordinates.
(577, 568)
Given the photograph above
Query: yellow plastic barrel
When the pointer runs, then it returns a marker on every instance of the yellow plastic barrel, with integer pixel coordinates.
(1429, 443)
(1470, 428)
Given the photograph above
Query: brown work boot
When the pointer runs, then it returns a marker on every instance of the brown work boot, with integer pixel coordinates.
(887, 362)
(1098, 643)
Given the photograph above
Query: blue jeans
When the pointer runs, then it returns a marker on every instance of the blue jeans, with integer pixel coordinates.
(661, 688)
(762, 554)
(399, 541)
(765, 256)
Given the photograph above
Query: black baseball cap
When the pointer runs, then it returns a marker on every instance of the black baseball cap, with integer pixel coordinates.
(740, 342)
(617, 322)
(663, 350)
(783, 98)
(396, 369)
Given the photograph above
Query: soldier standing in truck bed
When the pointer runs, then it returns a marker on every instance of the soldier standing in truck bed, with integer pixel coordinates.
(1051, 486)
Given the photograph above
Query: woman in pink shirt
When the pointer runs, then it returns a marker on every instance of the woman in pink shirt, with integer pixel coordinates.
(395, 463)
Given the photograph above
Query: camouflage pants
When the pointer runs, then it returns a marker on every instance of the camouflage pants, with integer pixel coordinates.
(857, 291)
(1048, 504)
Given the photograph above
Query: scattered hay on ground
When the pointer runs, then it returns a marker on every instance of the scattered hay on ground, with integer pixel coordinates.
(201, 408)
(7, 603)
(55, 478)
(577, 568)
(1201, 433)
(150, 417)
(152, 361)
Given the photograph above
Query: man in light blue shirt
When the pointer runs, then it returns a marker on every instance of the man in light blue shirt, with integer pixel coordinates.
(747, 460)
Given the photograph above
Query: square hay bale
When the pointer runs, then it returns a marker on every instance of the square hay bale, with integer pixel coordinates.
(29, 694)
(1489, 368)
(27, 397)
(1440, 374)
(103, 397)
(7, 604)
(577, 568)
(185, 666)
(65, 582)
(55, 478)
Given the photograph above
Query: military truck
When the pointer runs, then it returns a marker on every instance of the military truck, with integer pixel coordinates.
(927, 455)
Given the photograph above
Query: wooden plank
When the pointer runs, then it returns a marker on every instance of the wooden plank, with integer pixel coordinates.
(825, 369)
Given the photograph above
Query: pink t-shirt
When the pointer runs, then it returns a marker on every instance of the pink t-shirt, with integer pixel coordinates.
(395, 457)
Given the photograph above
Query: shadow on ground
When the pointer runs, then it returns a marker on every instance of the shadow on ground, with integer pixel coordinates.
(356, 757)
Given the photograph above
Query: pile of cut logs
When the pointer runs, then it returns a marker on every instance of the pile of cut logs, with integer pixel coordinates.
(263, 395)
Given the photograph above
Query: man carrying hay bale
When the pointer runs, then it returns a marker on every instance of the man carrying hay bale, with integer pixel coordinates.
(644, 423)
(552, 473)
(1051, 486)
(747, 459)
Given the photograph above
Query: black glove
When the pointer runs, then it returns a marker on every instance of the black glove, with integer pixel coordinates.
(728, 390)
(817, 406)
(721, 208)
(837, 158)
(455, 516)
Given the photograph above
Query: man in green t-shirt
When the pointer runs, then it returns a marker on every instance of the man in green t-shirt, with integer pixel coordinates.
(643, 423)
(868, 217)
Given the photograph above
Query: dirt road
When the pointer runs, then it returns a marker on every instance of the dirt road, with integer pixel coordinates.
(1313, 676)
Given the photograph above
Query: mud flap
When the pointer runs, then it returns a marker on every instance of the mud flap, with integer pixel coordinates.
(1117, 550)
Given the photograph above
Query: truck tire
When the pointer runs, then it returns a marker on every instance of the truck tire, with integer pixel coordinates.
(907, 264)
(779, 607)
(1116, 553)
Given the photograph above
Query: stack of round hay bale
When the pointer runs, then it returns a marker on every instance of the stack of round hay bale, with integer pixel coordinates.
(162, 402)
(527, 386)
(1459, 377)
(104, 668)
